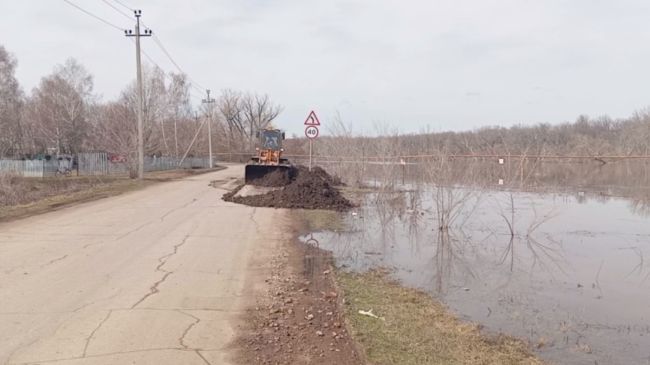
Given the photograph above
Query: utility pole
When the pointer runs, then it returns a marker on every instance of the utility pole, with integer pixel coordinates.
(209, 101)
(176, 136)
(139, 91)
(198, 130)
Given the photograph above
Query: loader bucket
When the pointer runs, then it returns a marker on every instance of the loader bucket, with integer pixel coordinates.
(254, 172)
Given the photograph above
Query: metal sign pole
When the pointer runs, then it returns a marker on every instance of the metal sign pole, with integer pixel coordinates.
(311, 132)
(310, 149)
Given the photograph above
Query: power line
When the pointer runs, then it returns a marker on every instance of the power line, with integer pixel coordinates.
(117, 9)
(150, 59)
(158, 42)
(193, 83)
(93, 15)
(124, 5)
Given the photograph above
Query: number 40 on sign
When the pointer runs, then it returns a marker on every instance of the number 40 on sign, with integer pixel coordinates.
(311, 132)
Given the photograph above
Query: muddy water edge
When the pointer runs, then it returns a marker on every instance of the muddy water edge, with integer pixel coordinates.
(560, 262)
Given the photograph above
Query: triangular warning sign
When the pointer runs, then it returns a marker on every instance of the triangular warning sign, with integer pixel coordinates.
(312, 119)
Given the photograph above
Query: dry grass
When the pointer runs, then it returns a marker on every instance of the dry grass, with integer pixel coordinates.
(417, 330)
(21, 197)
(315, 220)
(16, 190)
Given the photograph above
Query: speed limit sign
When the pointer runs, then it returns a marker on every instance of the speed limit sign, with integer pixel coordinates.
(311, 132)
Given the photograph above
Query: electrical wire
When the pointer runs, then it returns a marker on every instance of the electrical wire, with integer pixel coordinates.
(124, 5)
(198, 98)
(156, 40)
(150, 59)
(146, 55)
(118, 10)
(93, 15)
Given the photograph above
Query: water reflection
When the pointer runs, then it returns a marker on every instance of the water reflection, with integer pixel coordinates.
(314, 262)
(552, 268)
(451, 256)
(586, 180)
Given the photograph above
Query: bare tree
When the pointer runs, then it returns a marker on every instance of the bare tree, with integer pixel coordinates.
(178, 109)
(114, 130)
(230, 108)
(154, 103)
(244, 114)
(258, 112)
(11, 104)
(58, 108)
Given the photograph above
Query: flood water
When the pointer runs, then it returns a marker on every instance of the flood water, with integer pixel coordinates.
(562, 262)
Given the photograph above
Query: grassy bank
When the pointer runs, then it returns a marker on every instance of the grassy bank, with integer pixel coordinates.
(414, 329)
(320, 220)
(21, 197)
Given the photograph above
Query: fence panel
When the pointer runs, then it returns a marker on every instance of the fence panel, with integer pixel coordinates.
(171, 163)
(196, 163)
(93, 163)
(24, 168)
(50, 168)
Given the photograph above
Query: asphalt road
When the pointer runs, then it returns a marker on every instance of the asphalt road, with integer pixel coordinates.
(156, 276)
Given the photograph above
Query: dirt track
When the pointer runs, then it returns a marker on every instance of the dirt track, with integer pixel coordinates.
(157, 276)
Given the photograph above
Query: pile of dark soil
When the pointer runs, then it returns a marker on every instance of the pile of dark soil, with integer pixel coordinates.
(276, 178)
(308, 190)
(319, 172)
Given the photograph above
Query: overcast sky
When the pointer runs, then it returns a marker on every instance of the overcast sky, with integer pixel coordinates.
(411, 65)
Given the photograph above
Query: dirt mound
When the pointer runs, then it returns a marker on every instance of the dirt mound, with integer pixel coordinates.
(274, 179)
(321, 173)
(308, 190)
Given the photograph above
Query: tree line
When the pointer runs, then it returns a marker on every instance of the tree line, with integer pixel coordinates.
(585, 137)
(63, 115)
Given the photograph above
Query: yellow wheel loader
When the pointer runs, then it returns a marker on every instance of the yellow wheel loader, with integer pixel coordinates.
(268, 157)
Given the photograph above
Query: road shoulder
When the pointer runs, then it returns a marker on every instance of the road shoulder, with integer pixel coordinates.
(296, 317)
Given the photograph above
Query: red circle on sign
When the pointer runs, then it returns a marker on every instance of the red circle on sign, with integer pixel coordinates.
(311, 132)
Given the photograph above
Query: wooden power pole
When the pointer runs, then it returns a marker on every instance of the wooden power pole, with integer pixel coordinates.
(140, 90)
(209, 101)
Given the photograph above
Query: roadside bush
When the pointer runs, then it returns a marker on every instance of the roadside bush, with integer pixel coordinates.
(9, 192)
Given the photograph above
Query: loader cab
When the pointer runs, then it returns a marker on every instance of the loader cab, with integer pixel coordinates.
(271, 139)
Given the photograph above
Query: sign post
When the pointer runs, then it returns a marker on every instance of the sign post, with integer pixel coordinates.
(311, 142)
(311, 131)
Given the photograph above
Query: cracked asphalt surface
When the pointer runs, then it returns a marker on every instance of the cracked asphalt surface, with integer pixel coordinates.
(156, 276)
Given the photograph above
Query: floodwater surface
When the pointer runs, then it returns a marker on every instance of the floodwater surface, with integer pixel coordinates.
(568, 272)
